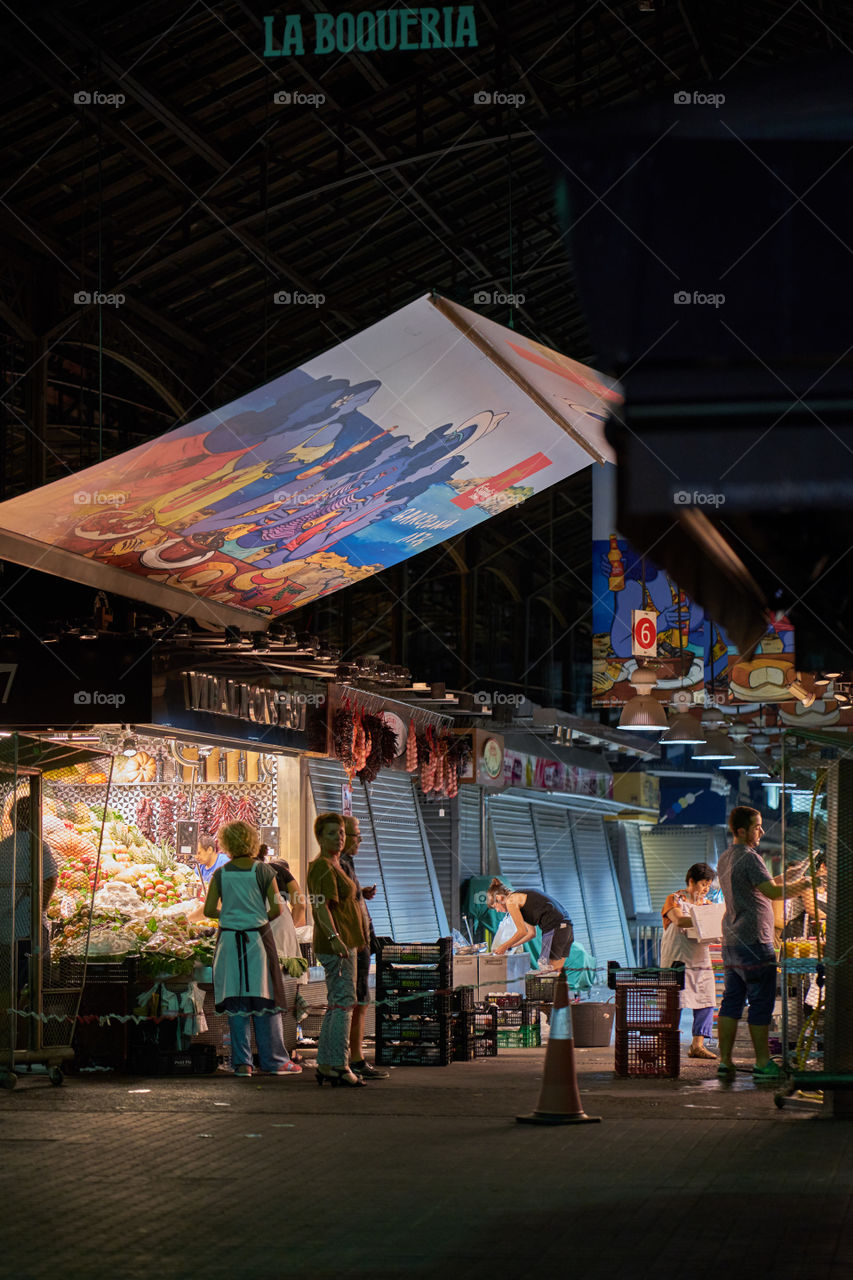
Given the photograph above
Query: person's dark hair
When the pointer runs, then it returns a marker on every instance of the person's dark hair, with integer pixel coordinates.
(699, 871)
(206, 840)
(496, 887)
(741, 818)
(263, 851)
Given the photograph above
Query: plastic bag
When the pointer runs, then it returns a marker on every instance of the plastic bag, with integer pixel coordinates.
(284, 932)
(506, 930)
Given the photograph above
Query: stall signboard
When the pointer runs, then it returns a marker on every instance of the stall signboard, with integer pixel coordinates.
(75, 682)
(227, 697)
(186, 840)
(409, 433)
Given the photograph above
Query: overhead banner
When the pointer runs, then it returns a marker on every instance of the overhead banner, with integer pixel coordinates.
(407, 434)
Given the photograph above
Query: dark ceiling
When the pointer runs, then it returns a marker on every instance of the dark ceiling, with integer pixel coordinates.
(199, 197)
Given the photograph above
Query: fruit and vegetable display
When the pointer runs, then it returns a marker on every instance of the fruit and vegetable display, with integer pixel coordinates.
(137, 898)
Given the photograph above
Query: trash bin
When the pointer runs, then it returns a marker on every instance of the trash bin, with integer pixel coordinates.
(592, 1024)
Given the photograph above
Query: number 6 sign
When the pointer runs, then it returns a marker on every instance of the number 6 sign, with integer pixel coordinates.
(644, 633)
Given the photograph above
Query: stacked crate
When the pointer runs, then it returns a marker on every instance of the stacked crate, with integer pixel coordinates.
(517, 1020)
(648, 1014)
(539, 989)
(475, 1031)
(414, 1024)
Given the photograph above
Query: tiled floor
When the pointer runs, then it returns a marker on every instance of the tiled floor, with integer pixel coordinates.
(425, 1175)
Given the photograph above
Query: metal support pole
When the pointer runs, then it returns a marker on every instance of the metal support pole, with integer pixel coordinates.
(838, 1038)
(36, 974)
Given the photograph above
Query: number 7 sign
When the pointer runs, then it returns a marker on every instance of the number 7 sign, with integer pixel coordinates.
(644, 633)
(8, 670)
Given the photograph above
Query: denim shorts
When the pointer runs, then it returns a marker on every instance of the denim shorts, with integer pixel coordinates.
(750, 978)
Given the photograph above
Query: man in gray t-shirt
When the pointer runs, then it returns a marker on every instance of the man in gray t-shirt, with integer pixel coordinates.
(748, 956)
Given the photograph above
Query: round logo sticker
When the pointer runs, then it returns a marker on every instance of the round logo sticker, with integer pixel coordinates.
(394, 722)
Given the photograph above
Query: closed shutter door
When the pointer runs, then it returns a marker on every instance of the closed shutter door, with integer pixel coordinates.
(468, 807)
(608, 931)
(393, 853)
(559, 867)
(515, 841)
(326, 777)
(438, 824)
(632, 848)
(669, 852)
(414, 901)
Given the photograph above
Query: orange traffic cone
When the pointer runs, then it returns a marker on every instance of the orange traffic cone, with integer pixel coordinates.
(559, 1100)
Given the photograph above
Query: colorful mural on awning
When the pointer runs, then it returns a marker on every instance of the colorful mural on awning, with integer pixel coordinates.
(407, 434)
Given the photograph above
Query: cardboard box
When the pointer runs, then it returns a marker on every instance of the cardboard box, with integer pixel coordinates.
(707, 920)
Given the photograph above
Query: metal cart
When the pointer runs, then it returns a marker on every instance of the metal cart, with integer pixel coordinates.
(37, 1018)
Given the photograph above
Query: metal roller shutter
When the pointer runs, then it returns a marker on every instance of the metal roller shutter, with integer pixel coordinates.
(469, 832)
(515, 840)
(437, 817)
(559, 867)
(607, 925)
(669, 852)
(634, 864)
(394, 851)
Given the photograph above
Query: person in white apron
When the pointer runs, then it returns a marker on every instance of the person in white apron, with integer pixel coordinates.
(699, 992)
(247, 982)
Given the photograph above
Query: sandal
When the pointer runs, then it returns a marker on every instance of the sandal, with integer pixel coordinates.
(701, 1052)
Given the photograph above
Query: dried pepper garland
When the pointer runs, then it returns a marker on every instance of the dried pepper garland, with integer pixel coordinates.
(343, 729)
(412, 749)
(387, 743)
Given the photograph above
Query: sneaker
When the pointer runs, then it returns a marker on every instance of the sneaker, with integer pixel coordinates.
(367, 1071)
(726, 1071)
(772, 1071)
(287, 1069)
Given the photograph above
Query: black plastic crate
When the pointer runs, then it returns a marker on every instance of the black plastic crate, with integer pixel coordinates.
(522, 1014)
(414, 1055)
(418, 1030)
(504, 999)
(648, 1053)
(540, 987)
(468, 1051)
(463, 999)
(414, 952)
(403, 978)
(477, 1024)
(428, 1004)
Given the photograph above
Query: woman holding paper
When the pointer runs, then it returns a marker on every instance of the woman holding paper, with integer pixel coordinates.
(699, 992)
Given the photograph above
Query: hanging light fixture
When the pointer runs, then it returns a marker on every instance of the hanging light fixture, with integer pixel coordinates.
(684, 731)
(717, 746)
(643, 712)
(742, 759)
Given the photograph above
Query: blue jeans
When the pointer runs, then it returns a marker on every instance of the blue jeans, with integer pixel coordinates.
(333, 1045)
(268, 1036)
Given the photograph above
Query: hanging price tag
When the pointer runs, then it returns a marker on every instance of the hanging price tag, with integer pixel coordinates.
(644, 633)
